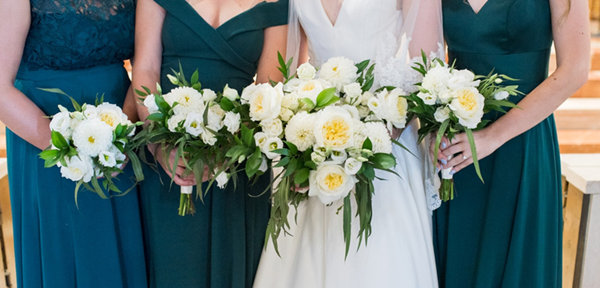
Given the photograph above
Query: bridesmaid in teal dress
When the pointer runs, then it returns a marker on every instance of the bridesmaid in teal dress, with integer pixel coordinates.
(221, 244)
(507, 232)
(79, 47)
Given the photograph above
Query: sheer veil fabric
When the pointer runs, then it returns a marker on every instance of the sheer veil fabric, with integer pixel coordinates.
(399, 252)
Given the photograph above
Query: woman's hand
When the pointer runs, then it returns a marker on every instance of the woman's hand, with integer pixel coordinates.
(180, 177)
(395, 133)
(460, 151)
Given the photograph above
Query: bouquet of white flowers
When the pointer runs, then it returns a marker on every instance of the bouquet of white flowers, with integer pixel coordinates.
(92, 142)
(326, 132)
(452, 101)
(191, 121)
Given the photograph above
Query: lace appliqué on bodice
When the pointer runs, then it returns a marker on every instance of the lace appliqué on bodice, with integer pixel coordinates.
(78, 34)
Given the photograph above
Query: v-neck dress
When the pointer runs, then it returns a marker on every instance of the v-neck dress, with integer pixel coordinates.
(506, 232)
(221, 244)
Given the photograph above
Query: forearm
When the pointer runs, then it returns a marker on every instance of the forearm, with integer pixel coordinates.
(540, 103)
(24, 118)
(144, 78)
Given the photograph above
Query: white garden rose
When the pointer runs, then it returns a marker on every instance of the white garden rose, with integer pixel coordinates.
(441, 114)
(215, 117)
(230, 94)
(379, 136)
(61, 123)
(317, 158)
(174, 121)
(89, 111)
(292, 85)
(364, 98)
(273, 128)
(78, 168)
(468, 106)
(374, 105)
(264, 101)
(187, 97)
(208, 95)
(150, 103)
(338, 71)
(461, 79)
(232, 121)
(445, 96)
(501, 95)
(306, 72)
(363, 111)
(264, 165)
(334, 128)
(330, 182)
(208, 138)
(92, 136)
(394, 108)
(300, 131)
(352, 166)
(111, 114)
(193, 124)
(352, 110)
(436, 79)
(272, 144)
(310, 89)
(118, 155)
(107, 159)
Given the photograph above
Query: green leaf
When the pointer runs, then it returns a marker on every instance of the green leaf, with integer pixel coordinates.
(301, 176)
(325, 96)
(362, 66)
(49, 154)
(253, 163)
(292, 147)
(291, 168)
(311, 165)
(369, 171)
(76, 105)
(347, 223)
(368, 144)
(247, 135)
(474, 152)
(140, 93)
(137, 167)
(438, 138)
(284, 152)
(284, 161)
(309, 103)
(59, 141)
(384, 161)
(163, 106)
(195, 77)
(226, 104)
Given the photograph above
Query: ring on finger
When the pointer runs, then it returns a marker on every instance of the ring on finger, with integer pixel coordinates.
(464, 157)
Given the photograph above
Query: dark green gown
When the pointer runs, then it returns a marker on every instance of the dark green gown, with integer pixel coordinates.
(508, 231)
(220, 246)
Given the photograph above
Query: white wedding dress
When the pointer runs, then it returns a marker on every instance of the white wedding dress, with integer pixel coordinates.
(399, 252)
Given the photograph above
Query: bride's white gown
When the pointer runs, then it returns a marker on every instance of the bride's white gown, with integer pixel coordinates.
(399, 251)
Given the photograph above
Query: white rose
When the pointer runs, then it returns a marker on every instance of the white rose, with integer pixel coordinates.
(353, 90)
(286, 114)
(292, 85)
(306, 72)
(272, 144)
(230, 94)
(441, 114)
(445, 96)
(330, 182)
(187, 98)
(364, 98)
(118, 155)
(374, 105)
(193, 124)
(462, 78)
(89, 111)
(290, 101)
(394, 108)
(273, 128)
(232, 122)
(208, 95)
(111, 114)
(436, 79)
(300, 131)
(352, 110)
(215, 117)
(338, 71)
(174, 121)
(61, 123)
(317, 158)
(334, 128)
(468, 106)
(107, 159)
(363, 111)
(208, 138)
(78, 168)
(501, 95)
(260, 139)
(150, 103)
(428, 98)
(352, 166)
(264, 101)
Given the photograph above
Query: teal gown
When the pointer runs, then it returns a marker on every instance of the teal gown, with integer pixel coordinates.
(219, 246)
(80, 50)
(506, 232)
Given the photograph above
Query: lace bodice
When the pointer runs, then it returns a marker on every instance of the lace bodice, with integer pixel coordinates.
(78, 34)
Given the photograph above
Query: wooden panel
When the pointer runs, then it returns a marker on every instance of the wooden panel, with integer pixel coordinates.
(7, 231)
(572, 223)
(579, 141)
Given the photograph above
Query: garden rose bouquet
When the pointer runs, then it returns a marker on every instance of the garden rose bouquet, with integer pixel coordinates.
(327, 132)
(91, 142)
(191, 121)
(451, 101)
